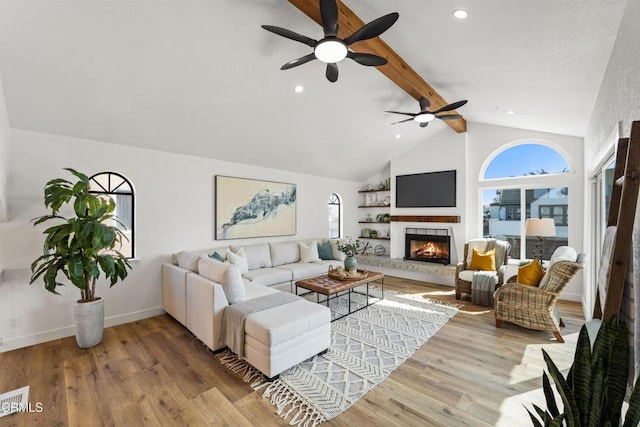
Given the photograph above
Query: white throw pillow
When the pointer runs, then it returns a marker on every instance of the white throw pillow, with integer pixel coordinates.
(226, 275)
(309, 253)
(188, 260)
(337, 255)
(239, 259)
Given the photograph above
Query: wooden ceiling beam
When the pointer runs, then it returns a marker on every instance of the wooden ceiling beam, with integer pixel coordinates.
(396, 69)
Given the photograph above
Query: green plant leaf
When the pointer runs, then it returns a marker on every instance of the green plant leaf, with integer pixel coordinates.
(570, 408)
(534, 420)
(597, 390)
(581, 375)
(632, 418)
(549, 396)
(617, 374)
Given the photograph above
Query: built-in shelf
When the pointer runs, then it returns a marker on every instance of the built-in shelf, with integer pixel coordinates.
(373, 222)
(426, 218)
(373, 191)
(375, 238)
(375, 206)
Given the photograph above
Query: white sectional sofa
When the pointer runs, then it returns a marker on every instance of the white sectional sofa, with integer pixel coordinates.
(196, 290)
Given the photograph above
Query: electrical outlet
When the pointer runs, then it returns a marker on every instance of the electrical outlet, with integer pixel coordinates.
(1, 341)
(14, 322)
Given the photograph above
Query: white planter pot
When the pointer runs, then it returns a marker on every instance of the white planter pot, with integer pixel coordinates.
(89, 322)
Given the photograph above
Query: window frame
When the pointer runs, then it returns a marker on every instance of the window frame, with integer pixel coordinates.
(335, 200)
(109, 191)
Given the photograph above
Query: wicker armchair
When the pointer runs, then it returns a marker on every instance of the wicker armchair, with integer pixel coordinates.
(535, 307)
(464, 286)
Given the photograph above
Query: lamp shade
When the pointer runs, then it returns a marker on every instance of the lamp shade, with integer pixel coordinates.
(541, 227)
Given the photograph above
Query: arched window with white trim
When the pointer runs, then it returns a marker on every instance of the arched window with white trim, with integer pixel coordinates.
(335, 216)
(522, 181)
(120, 190)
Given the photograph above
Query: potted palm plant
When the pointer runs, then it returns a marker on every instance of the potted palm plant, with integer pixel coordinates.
(79, 248)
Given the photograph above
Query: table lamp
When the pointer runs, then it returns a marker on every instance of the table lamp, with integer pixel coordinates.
(540, 227)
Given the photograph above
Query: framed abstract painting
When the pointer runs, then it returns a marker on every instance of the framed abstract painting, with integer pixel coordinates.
(253, 208)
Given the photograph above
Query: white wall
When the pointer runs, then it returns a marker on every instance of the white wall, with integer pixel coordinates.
(4, 158)
(616, 107)
(174, 211)
(442, 151)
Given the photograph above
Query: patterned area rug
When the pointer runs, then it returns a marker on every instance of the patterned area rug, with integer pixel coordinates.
(366, 346)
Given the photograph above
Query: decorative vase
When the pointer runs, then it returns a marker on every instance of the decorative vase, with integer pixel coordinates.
(350, 263)
(89, 322)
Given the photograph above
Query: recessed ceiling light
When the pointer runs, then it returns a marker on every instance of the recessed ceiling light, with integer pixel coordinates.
(398, 136)
(460, 13)
(298, 88)
(511, 113)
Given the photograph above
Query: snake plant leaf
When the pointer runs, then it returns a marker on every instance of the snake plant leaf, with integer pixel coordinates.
(632, 418)
(581, 375)
(534, 420)
(557, 421)
(617, 375)
(571, 410)
(552, 407)
(597, 390)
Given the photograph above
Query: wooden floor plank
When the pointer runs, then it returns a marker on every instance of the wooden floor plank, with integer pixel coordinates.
(154, 372)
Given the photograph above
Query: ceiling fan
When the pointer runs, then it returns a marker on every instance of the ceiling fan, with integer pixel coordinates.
(424, 116)
(331, 49)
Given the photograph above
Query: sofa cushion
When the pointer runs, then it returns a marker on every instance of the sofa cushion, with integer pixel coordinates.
(324, 250)
(253, 290)
(340, 256)
(217, 256)
(188, 260)
(284, 253)
(226, 274)
(239, 259)
(257, 255)
(309, 252)
(268, 276)
(280, 324)
(304, 270)
(466, 275)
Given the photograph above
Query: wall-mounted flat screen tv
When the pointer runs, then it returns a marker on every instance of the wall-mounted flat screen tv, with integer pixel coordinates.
(426, 190)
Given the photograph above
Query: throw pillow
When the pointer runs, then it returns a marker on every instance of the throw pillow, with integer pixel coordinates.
(309, 253)
(337, 255)
(239, 259)
(216, 256)
(227, 275)
(188, 260)
(324, 251)
(530, 274)
(483, 261)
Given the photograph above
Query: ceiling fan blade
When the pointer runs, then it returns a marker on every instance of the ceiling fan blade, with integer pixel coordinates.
(298, 61)
(373, 28)
(424, 103)
(424, 124)
(329, 13)
(367, 59)
(450, 116)
(290, 35)
(402, 121)
(450, 107)
(400, 112)
(332, 72)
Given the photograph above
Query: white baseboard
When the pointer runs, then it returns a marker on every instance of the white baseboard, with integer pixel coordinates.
(568, 296)
(69, 331)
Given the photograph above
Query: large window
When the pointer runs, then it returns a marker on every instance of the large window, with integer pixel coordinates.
(521, 182)
(118, 188)
(335, 217)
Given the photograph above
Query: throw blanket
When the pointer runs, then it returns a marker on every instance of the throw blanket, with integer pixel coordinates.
(235, 317)
(482, 287)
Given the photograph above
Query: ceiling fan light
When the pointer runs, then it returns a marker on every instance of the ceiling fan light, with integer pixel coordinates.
(424, 117)
(460, 13)
(331, 51)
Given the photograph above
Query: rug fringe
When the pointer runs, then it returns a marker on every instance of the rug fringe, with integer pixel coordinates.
(248, 373)
(284, 398)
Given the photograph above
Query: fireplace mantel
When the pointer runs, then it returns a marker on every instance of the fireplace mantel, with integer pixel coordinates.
(426, 218)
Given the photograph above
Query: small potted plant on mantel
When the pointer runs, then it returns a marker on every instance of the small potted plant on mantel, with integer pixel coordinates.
(80, 247)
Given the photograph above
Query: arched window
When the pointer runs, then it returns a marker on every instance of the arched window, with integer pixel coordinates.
(116, 186)
(335, 216)
(527, 180)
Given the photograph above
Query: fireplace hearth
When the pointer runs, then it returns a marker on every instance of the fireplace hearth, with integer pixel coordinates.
(428, 245)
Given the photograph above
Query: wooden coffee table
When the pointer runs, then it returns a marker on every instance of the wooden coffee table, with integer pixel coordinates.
(330, 288)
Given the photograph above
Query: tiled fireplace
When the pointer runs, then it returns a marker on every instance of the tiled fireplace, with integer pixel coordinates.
(428, 245)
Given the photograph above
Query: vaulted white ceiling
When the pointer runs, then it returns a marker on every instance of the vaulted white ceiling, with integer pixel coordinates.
(202, 77)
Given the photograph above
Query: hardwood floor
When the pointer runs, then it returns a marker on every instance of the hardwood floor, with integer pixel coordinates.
(154, 372)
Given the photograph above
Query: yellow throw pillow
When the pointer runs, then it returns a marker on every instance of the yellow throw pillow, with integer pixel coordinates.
(483, 261)
(530, 274)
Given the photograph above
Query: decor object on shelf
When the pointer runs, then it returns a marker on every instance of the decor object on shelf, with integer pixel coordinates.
(366, 232)
(540, 227)
(379, 250)
(371, 199)
(386, 201)
(424, 116)
(368, 187)
(332, 49)
(373, 234)
(599, 374)
(254, 208)
(369, 217)
(81, 247)
(535, 307)
(350, 248)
